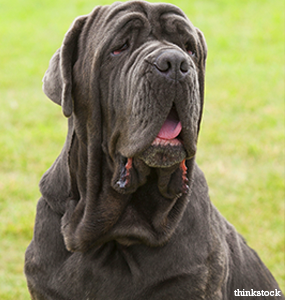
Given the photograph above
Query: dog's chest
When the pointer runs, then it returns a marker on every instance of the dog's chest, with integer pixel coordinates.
(120, 274)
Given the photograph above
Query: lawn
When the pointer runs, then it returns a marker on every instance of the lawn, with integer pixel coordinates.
(241, 144)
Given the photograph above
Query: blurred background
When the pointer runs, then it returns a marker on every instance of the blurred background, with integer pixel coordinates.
(241, 144)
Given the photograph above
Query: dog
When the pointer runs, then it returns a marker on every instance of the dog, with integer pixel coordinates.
(125, 212)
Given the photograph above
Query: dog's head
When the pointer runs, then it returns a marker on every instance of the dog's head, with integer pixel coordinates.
(131, 78)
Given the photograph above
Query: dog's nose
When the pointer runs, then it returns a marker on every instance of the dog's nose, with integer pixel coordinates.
(172, 64)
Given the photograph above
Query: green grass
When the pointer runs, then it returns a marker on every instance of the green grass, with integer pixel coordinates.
(241, 145)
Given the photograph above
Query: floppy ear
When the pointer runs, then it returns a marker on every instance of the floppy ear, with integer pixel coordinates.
(203, 56)
(57, 82)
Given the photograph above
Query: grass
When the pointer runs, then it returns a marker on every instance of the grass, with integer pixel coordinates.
(241, 145)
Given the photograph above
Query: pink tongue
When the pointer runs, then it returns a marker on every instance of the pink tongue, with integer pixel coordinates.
(171, 127)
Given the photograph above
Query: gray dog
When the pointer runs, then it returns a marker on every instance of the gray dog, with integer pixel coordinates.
(125, 212)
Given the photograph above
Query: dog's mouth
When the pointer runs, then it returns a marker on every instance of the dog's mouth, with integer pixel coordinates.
(171, 127)
(167, 148)
(166, 156)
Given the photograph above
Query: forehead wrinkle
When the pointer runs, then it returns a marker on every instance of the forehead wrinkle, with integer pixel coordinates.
(173, 12)
(182, 24)
(118, 24)
(124, 9)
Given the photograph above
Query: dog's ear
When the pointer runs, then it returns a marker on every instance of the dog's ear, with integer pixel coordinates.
(57, 82)
(202, 68)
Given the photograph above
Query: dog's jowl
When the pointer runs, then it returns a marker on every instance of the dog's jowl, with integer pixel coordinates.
(125, 212)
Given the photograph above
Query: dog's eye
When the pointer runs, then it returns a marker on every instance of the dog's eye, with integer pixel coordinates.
(121, 49)
(190, 50)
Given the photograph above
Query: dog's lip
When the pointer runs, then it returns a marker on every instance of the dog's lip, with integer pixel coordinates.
(167, 148)
(165, 142)
(143, 139)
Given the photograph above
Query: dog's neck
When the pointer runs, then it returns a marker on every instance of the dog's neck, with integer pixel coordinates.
(94, 212)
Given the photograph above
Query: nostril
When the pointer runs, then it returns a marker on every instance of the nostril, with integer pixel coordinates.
(163, 65)
(184, 67)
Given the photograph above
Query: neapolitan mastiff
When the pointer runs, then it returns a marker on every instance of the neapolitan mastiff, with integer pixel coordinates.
(125, 212)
